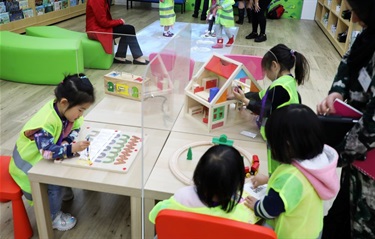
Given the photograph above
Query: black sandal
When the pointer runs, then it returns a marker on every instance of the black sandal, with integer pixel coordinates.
(135, 62)
(122, 62)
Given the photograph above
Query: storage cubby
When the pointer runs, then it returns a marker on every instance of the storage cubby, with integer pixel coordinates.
(48, 18)
(332, 24)
(329, 17)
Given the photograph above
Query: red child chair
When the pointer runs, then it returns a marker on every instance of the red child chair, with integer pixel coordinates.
(10, 191)
(172, 224)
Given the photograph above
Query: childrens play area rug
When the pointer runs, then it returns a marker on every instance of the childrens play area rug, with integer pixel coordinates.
(151, 39)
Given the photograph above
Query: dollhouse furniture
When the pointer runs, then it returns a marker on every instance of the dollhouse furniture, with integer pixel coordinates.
(10, 191)
(171, 224)
(94, 55)
(37, 60)
(206, 94)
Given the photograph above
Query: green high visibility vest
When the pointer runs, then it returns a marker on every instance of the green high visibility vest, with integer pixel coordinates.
(303, 216)
(26, 153)
(290, 85)
(239, 213)
(224, 16)
(166, 13)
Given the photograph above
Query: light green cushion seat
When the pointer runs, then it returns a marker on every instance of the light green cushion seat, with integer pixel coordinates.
(37, 60)
(94, 55)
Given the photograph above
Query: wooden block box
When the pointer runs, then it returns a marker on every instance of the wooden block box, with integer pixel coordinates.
(123, 84)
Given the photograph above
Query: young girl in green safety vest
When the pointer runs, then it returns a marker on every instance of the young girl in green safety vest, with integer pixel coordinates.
(224, 20)
(277, 63)
(50, 134)
(293, 205)
(167, 16)
(218, 186)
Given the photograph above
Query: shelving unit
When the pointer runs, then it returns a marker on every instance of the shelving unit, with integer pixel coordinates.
(328, 16)
(19, 26)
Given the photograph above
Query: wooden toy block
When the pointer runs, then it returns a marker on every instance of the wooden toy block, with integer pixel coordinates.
(124, 84)
(209, 83)
(223, 139)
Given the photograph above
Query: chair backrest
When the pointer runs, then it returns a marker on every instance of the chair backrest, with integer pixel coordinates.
(169, 60)
(9, 190)
(172, 224)
(252, 63)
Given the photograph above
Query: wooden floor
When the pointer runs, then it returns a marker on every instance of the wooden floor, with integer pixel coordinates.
(103, 215)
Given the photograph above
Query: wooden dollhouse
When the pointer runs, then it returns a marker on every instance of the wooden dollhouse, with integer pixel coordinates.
(206, 94)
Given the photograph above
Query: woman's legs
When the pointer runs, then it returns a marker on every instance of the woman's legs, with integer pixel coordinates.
(127, 38)
(261, 16)
(254, 22)
(241, 12)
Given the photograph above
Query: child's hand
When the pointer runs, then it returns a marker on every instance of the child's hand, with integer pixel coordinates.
(79, 146)
(259, 179)
(123, 21)
(250, 202)
(238, 94)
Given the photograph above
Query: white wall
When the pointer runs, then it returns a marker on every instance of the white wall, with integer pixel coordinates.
(119, 2)
(308, 9)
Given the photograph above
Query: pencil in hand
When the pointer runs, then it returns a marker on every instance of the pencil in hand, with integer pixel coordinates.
(88, 149)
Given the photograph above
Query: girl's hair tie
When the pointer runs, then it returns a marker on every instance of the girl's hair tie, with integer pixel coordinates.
(292, 52)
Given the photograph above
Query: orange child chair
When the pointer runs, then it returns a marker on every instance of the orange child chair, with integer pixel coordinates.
(252, 64)
(10, 191)
(172, 224)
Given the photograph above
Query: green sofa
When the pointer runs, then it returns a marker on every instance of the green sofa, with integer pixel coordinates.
(37, 60)
(94, 55)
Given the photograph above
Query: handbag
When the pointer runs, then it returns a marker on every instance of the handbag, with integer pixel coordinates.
(335, 128)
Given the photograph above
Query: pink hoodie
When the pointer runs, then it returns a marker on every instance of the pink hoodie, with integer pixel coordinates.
(321, 172)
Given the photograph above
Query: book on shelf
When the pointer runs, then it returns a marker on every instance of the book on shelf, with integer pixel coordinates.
(23, 4)
(48, 8)
(4, 18)
(64, 4)
(12, 6)
(57, 5)
(73, 3)
(345, 110)
(16, 15)
(38, 3)
(28, 12)
(2, 7)
(39, 10)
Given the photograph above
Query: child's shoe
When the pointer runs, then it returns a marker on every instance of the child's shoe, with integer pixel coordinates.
(68, 194)
(230, 42)
(63, 221)
(219, 43)
(168, 34)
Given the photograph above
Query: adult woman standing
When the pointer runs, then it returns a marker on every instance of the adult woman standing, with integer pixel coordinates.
(101, 27)
(354, 207)
(258, 17)
(241, 11)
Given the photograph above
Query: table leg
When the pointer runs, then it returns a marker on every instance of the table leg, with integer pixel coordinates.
(41, 208)
(136, 217)
(149, 226)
